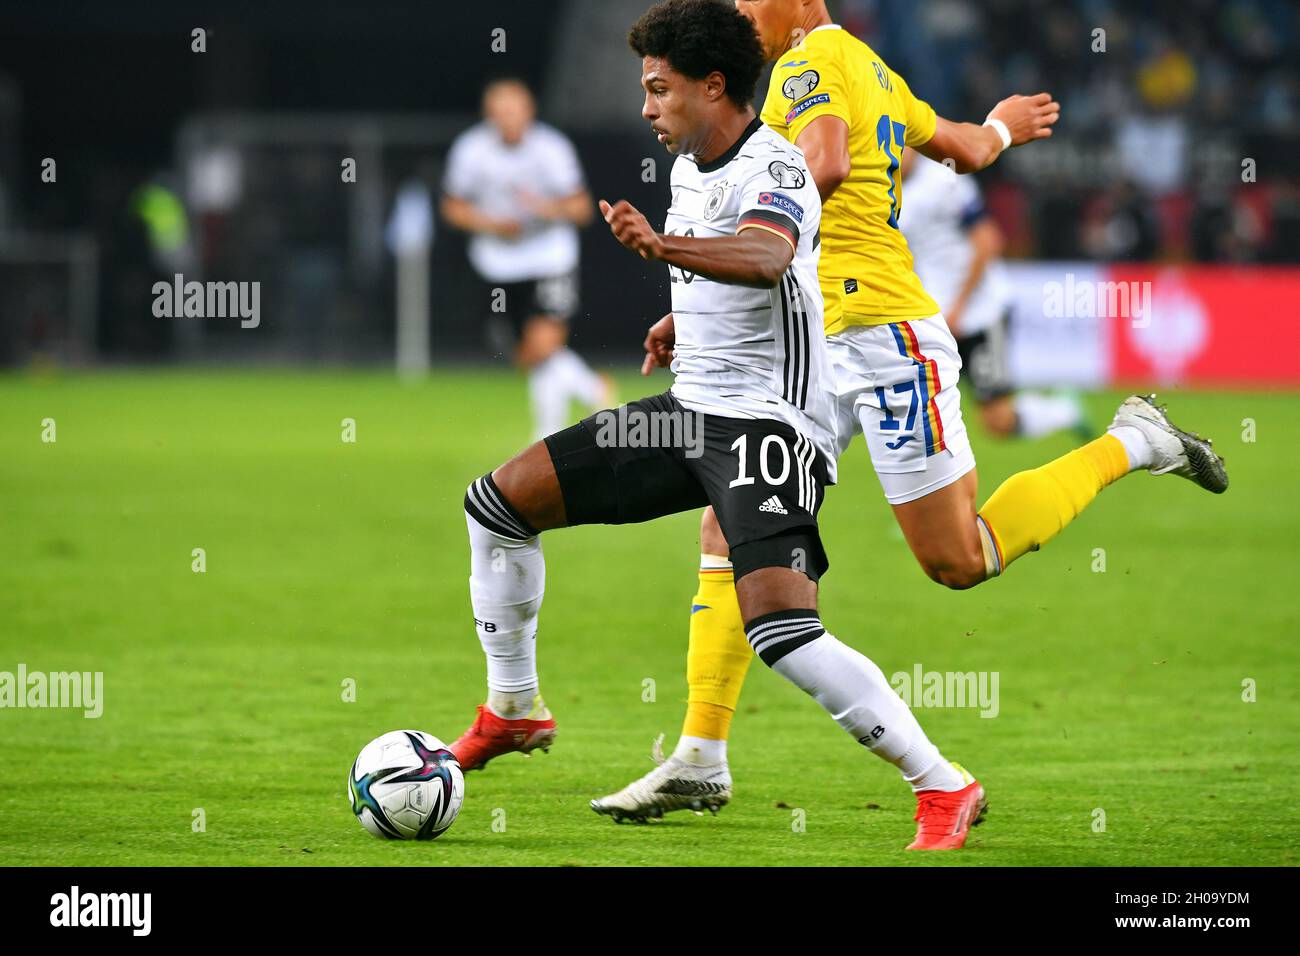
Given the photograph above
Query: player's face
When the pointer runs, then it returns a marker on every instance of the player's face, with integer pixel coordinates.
(775, 21)
(510, 108)
(674, 105)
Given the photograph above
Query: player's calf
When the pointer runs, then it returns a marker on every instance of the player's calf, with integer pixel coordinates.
(957, 571)
(941, 529)
(792, 641)
(999, 416)
(854, 691)
(507, 582)
(849, 686)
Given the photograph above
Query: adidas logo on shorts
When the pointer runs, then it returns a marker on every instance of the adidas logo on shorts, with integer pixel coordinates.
(773, 506)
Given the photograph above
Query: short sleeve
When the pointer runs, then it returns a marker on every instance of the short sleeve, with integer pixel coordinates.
(565, 169)
(812, 84)
(779, 199)
(461, 177)
(921, 118)
(969, 201)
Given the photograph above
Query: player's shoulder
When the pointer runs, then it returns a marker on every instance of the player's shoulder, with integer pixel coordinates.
(808, 65)
(548, 136)
(943, 178)
(768, 154)
(860, 60)
(945, 195)
(479, 135)
(767, 143)
(833, 48)
(930, 173)
(835, 40)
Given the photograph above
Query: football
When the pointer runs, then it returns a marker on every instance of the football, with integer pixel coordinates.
(406, 785)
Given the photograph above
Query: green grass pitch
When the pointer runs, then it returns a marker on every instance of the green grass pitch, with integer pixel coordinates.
(1121, 692)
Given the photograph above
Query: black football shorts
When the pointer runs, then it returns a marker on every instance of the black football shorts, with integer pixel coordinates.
(985, 361)
(654, 457)
(512, 304)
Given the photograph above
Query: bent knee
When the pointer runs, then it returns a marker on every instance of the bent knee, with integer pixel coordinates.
(958, 573)
(1000, 427)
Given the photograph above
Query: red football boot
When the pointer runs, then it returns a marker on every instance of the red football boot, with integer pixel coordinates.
(491, 736)
(945, 817)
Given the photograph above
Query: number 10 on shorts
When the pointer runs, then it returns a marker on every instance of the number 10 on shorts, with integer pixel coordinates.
(741, 447)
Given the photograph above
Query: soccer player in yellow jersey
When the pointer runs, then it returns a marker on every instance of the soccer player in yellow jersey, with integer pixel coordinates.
(895, 368)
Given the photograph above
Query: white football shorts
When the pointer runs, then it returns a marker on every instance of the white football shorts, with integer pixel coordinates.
(897, 384)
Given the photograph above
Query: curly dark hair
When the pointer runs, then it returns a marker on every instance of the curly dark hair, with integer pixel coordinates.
(699, 37)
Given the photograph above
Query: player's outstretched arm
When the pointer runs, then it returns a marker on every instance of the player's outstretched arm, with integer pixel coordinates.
(1015, 121)
(987, 242)
(755, 257)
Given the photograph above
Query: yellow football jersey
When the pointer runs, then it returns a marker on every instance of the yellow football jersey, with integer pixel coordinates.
(866, 268)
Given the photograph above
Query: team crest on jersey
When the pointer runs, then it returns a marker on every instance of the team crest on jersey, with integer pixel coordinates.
(783, 203)
(713, 205)
(797, 87)
(787, 176)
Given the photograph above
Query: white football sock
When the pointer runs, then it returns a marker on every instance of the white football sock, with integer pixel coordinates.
(1140, 452)
(549, 393)
(1038, 415)
(853, 690)
(701, 751)
(580, 381)
(515, 704)
(506, 583)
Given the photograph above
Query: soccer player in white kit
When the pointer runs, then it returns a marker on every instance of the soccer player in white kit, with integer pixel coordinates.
(956, 247)
(741, 243)
(515, 184)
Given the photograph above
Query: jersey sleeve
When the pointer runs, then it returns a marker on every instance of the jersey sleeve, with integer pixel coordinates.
(808, 84)
(565, 172)
(460, 180)
(779, 197)
(969, 202)
(921, 118)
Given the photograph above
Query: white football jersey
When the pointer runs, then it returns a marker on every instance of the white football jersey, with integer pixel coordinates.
(940, 207)
(488, 172)
(744, 352)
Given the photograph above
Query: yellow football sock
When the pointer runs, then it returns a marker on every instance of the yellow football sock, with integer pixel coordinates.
(1031, 507)
(718, 656)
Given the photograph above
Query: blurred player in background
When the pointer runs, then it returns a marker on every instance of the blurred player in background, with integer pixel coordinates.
(894, 368)
(956, 248)
(515, 184)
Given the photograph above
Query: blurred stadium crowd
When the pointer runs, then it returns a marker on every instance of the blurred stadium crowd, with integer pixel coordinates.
(1160, 111)
(1180, 143)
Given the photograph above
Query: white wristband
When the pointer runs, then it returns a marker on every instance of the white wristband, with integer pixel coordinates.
(1001, 129)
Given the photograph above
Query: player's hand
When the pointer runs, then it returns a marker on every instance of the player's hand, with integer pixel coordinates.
(658, 344)
(952, 316)
(548, 210)
(1028, 118)
(631, 228)
(505, 228)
